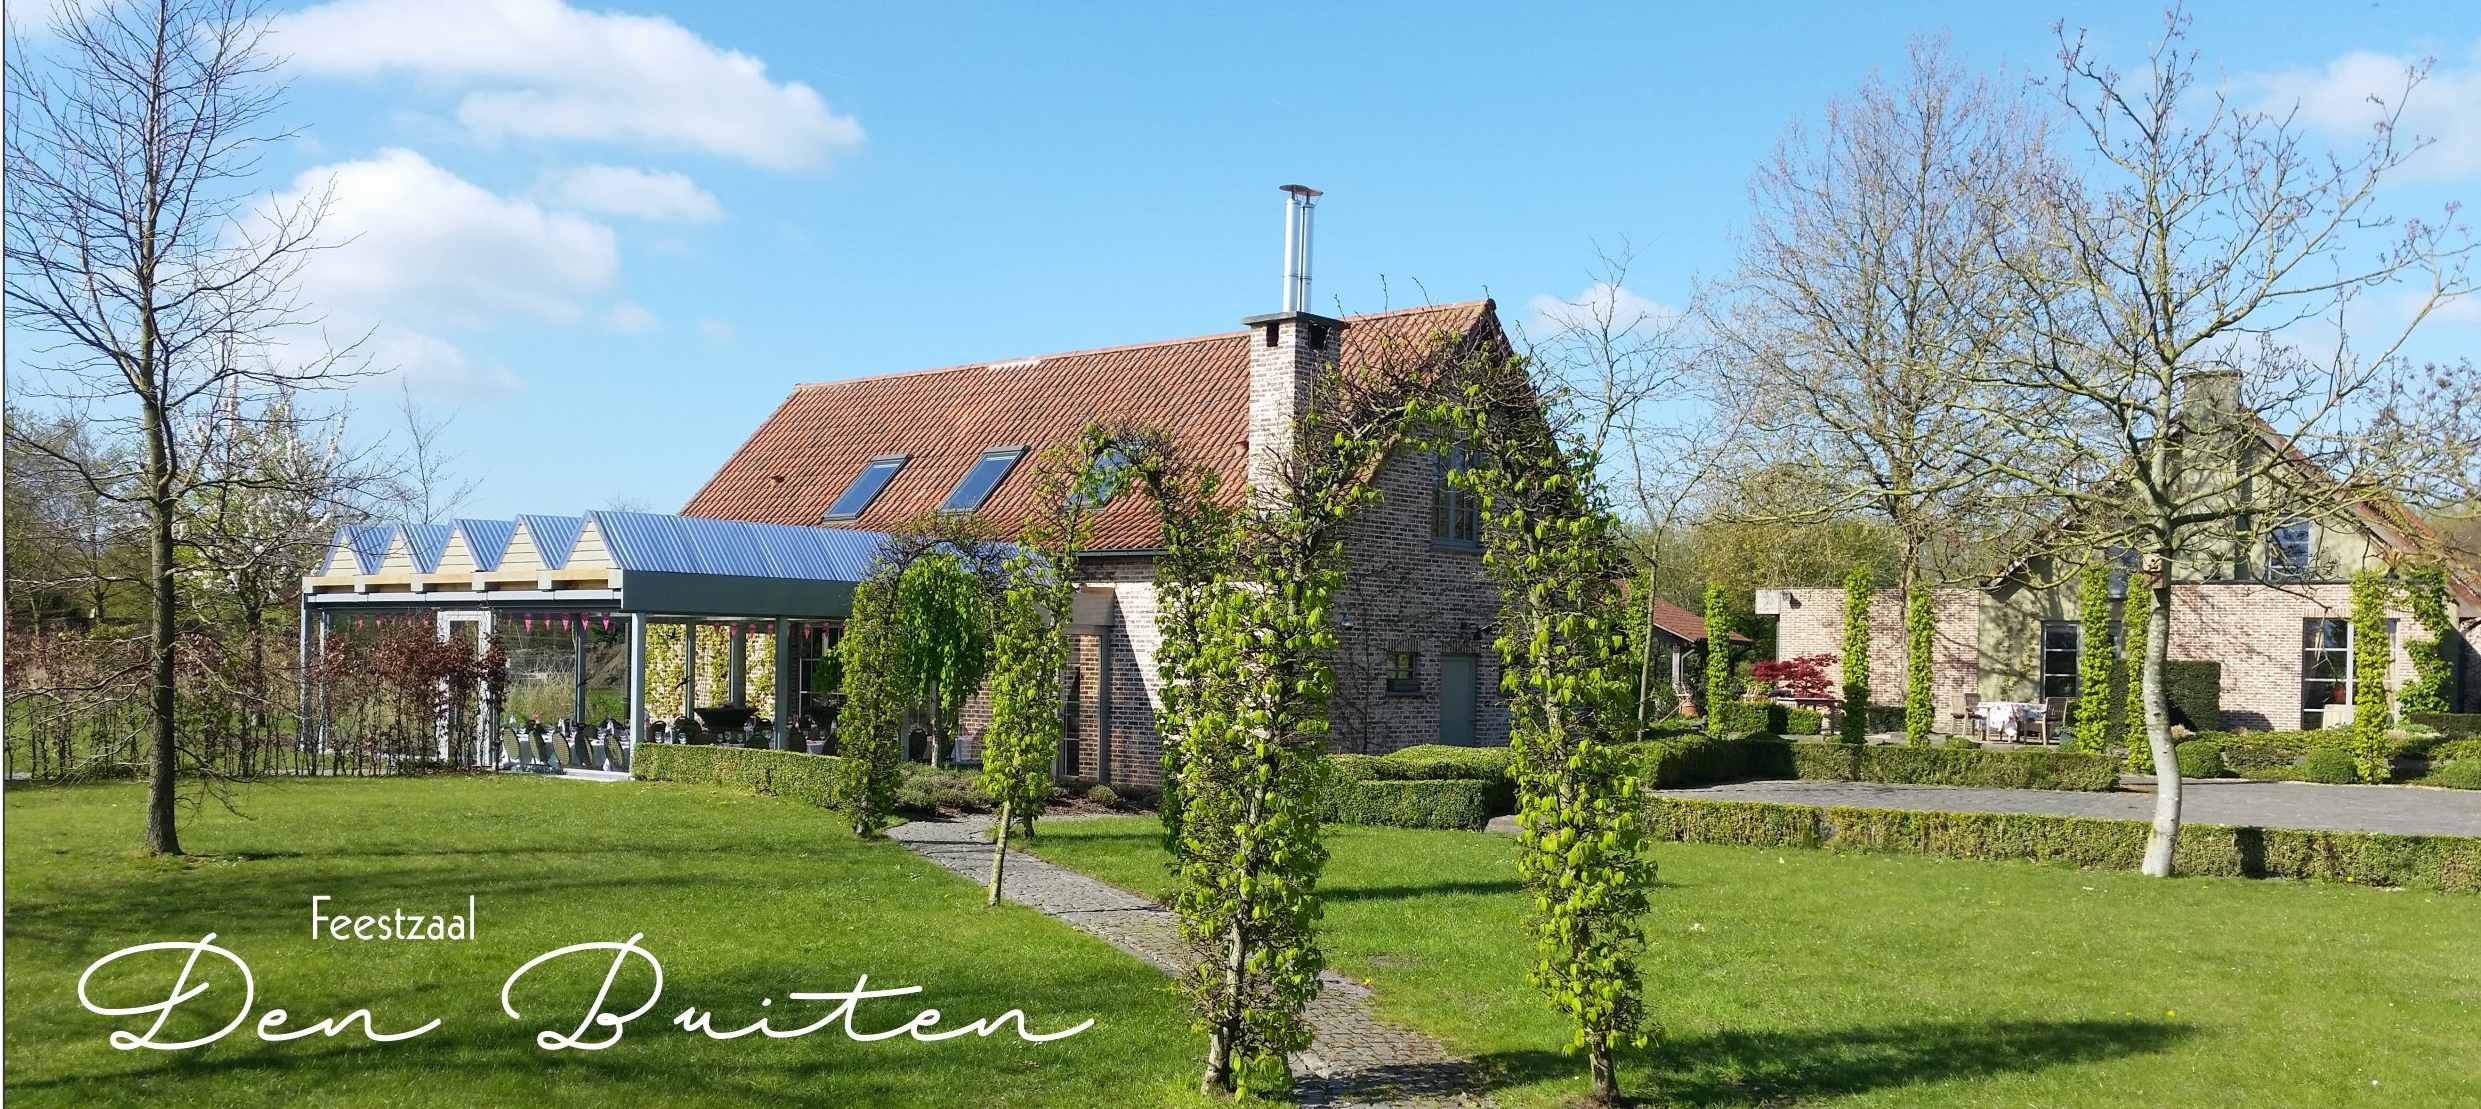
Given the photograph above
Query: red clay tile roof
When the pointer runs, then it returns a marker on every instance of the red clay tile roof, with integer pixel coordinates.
(1683, 623)
(797, 462)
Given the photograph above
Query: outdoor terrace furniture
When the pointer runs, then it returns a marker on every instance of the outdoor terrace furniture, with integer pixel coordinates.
(725, 718)
(2054, 714)
(1967, 717)
(2010, 719)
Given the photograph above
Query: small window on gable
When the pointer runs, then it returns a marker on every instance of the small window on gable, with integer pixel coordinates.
(865, 487)
(1455, 515)
(2287, 552)
(1403, 673)
(976, 486)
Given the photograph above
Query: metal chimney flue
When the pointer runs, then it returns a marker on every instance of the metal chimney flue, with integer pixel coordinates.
(1300, 204)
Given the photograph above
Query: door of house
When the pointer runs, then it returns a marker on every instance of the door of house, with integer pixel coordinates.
(1456, 700)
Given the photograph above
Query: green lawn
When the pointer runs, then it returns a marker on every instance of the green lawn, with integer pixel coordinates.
(742, 899)
(1813, 978)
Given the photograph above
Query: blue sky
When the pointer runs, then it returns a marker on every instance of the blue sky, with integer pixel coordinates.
(612, 240)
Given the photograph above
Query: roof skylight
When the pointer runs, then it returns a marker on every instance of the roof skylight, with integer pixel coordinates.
(865, 488)
(976, 486)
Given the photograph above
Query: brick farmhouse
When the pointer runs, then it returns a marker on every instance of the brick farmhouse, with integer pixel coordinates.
(1414, 664)
(2274, 610)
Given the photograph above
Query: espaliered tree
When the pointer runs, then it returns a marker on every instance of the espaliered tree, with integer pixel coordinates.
(1197, 551)
(1718, 657)
(1920, 639)
(1856, 655)
(875, 694)
(1552, 545)
(2092, 734)
(2139, 622)
(1252, 719)
(2370, 752)
(943, 611)
(898, 656)
(1029, 623)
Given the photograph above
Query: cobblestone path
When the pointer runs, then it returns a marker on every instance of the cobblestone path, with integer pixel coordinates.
(1354, 1061)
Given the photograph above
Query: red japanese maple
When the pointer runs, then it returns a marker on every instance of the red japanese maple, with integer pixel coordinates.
(1796, 677)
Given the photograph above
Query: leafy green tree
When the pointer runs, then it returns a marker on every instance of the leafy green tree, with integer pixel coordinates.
(2139, 622)
(943, 611)
(1552, 545)
(1856, 654)
(1029, 623)
(877, 688)
(2433, 669)
(1197, 536)
(2370, 751)
(2092, 735)
(1920, 640)
(1718, 658)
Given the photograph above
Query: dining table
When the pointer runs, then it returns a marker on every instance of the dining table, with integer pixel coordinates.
(2010, 718)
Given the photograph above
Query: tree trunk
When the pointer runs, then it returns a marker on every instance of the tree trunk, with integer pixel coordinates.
(2158, 848)
(1218, 1077)
(1606, 1080)
(162, 837)
(999, 855)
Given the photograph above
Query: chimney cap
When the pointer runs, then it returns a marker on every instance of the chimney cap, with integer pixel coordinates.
(1302, 190)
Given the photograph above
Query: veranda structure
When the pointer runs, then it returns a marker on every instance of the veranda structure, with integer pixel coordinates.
(629, 568)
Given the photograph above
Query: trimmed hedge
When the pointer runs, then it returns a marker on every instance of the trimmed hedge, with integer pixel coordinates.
(793, 775)
(1697, 760)
(1444, 803)
(1438, 762)
(1800, 721)
(2449, 863)
(1937, 766)
(2329, 765)
(2194, 687)
(2460, 774)
(2454, 725)
(2200, 759)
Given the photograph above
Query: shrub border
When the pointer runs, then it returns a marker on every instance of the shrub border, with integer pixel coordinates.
(2448, 863)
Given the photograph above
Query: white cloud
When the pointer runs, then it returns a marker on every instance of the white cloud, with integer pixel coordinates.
(646, 194)
(717, 331)
(2446, 107)
(631, 318)
(418, 251)
(418, 241)
(541, 69)
(1616, 304)
(435, 370)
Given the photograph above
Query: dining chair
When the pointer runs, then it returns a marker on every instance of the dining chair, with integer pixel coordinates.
(2054, 713)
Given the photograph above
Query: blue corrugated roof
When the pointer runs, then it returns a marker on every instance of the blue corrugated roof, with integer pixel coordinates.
(697, 545)
(488, 539)
(644, 541)
(369, 543)
(427, 542)
(554, 536)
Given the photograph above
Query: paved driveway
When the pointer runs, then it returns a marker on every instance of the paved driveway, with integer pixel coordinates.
(2408, 810)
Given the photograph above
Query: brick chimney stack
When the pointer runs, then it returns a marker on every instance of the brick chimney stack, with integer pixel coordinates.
(1289, 351)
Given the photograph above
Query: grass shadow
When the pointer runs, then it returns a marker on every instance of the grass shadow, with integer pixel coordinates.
(1426, 889)
(1731, 1068)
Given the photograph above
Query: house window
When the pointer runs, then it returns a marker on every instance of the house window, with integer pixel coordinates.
(856, 497)
(2287, 552)
(1403, 674)
(2062, 641)
(2325, 668)
(975, 487)
(1455, 517)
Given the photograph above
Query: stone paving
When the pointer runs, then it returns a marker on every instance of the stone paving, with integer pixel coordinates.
(2406, 810)
(1354, 1061)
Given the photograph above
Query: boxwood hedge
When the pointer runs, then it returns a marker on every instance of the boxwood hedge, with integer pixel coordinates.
(2450, 863)
(1447, 803)
(793, 775)
(1939, 766)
